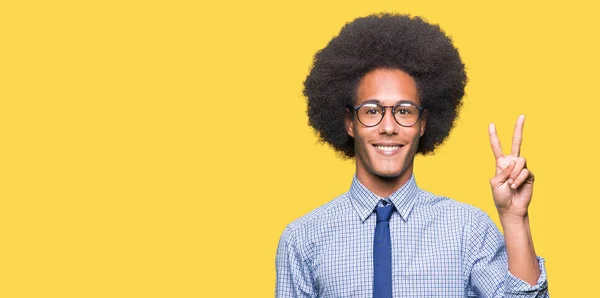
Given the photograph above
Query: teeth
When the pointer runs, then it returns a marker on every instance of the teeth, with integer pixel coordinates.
(387, 148)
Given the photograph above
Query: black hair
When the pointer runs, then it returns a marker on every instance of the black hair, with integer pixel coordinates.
(391, 41)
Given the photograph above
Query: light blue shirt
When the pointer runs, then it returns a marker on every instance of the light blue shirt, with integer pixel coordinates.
(440, 248)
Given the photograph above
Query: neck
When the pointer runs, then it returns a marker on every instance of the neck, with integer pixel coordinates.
(383, 186)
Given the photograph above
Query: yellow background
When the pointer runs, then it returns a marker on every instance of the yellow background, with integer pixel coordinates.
(159, 148)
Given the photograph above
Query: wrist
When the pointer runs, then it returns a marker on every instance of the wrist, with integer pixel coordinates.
(512, 220)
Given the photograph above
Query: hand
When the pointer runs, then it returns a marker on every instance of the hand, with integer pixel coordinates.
(512, 187)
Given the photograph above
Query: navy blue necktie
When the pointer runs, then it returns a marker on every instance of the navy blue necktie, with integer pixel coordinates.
(382, 254)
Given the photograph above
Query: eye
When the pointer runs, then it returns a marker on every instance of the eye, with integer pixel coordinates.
(406, 110)
(403, 111)
(371, 111)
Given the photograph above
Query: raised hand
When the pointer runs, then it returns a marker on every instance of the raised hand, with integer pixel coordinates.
(512, 186)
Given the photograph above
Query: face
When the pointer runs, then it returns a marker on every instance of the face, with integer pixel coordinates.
(385, 151)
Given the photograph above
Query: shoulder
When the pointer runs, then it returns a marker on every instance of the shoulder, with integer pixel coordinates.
(323, 213)
(430, 200)
(431, 203)
(300, 233)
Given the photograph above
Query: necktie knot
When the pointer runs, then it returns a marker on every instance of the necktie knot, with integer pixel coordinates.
(384, 213)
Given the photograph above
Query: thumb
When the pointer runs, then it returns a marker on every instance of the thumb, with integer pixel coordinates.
(501, 177)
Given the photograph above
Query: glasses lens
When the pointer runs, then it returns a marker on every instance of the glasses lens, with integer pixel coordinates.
(370, 114)
(406, 114)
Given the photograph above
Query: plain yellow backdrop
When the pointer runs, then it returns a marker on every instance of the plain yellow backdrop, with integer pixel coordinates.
(159, 148)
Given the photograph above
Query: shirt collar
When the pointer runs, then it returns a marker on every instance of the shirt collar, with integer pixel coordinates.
(365, 201)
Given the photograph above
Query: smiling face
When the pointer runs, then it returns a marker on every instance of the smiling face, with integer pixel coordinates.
(385, 152)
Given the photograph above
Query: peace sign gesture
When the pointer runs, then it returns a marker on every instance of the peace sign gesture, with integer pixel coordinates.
(512, 187)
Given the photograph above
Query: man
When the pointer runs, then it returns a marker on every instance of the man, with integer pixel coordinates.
(389, 87)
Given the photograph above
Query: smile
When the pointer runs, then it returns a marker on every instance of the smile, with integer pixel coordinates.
(388, 149)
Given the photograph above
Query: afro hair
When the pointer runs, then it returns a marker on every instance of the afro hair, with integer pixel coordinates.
(390, 41)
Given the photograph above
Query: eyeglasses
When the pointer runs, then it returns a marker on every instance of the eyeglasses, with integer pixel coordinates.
(405, 113)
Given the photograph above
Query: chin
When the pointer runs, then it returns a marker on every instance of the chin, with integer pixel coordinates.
(389, 174)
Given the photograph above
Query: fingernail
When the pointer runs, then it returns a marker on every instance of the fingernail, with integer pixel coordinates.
(510, 181)
(514, 186)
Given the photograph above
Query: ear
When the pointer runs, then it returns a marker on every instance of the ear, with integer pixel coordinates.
(423, 122)
(349, 123)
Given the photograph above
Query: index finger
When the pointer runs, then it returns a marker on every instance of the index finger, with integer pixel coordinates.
(496, 147)
(518, 137)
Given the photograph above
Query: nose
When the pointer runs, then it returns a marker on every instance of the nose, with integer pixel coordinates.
(388, 124)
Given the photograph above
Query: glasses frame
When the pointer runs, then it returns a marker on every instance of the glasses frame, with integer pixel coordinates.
(384, 108)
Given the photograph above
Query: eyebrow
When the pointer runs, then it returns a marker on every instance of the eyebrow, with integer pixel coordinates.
(377, 101)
